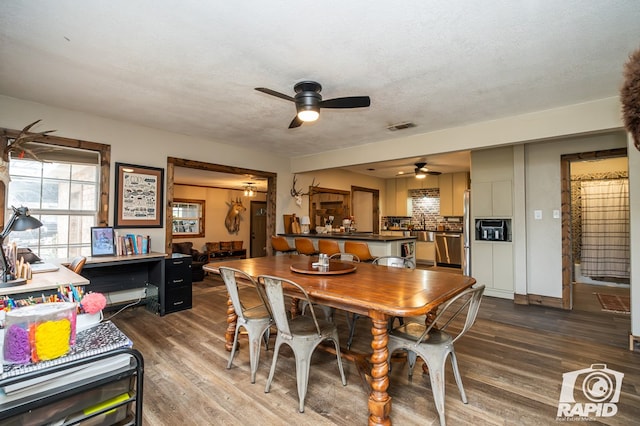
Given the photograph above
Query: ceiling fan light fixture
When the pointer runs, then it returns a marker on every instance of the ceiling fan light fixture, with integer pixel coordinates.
(420, 174)
(308, 113)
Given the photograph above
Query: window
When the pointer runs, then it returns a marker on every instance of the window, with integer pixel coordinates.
(63, 195)
(188, 218)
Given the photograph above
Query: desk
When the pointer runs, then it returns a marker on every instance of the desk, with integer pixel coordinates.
(410, 292)
(46, 281)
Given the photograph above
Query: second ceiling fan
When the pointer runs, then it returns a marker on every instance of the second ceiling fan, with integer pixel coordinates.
(308, 101)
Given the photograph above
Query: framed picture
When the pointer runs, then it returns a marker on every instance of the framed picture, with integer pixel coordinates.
(102, 241)
(139, 196)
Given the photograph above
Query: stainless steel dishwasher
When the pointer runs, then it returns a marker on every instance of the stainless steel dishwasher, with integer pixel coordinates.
(449, 249)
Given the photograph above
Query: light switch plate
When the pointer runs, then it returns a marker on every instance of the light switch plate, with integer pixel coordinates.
(537, 214)
(556, 214)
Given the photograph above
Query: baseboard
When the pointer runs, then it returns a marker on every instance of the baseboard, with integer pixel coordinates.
(535, 299)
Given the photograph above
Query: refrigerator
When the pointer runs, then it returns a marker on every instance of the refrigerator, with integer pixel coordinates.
(466, 234)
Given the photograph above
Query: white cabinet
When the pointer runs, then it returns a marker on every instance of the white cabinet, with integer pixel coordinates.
(452, 187)
(397, 197)
(426, 252)
(492, 265)
(492, 199)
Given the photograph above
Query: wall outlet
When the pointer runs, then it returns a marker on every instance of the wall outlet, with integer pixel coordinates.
(556, 214)
(537, 214)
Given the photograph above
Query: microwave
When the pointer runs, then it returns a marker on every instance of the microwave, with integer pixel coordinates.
(493, 229)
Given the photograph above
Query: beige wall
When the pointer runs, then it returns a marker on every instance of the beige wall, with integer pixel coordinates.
(216, 208)
(544, 237)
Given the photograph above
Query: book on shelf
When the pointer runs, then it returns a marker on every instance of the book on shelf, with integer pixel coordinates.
(100, 338)
(132, 244)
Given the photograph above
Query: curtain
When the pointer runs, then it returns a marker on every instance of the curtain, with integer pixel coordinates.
(605, 228)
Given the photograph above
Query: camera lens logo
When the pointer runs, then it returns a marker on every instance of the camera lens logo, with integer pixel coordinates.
(590, 392)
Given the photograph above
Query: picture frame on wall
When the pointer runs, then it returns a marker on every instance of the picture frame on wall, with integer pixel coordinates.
(102, 241)
(139, 196)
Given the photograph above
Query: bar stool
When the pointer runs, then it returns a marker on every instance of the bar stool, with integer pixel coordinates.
(329, 247)
(280, 244)
(359, 249)
(305, 246)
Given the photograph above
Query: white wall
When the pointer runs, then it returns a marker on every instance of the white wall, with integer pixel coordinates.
(142, 146)
(544, 237)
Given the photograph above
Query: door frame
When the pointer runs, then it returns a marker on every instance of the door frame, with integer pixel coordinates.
(565, 198)
(375, 214)
(252, 205)
(271, 178)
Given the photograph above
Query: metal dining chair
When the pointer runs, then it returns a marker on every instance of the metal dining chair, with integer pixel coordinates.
(302, 333)
(255, 319)
(390, 261)
(328, 247)
(328, 310)
(433, 343)
(395, 261)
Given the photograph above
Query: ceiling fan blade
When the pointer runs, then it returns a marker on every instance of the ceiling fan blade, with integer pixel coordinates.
(274, 93)
(348, 102)
(296, 122)
(433, 173)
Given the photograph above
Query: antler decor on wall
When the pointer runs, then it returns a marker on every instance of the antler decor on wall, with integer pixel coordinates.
(297, 193)
(18, 146)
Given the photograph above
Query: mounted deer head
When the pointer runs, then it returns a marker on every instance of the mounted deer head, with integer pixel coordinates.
(297, 194)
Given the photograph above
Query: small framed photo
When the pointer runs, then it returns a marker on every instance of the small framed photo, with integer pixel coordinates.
(102, 241)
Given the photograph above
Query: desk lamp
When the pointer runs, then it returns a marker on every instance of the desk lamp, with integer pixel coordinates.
(20, 221)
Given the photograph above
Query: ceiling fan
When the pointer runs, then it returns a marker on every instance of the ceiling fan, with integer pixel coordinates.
(309, 101)
(421, 171)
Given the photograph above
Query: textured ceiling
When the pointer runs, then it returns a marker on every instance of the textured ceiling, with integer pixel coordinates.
(191, 66)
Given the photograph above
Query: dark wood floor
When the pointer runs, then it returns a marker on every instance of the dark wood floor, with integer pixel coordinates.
(512, 362)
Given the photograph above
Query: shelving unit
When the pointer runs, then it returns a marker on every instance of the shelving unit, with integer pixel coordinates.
(57, 399)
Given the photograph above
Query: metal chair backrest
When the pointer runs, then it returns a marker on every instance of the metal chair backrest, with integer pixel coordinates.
(328, 247)
(77, 264)
(467, 302)
(275, 295)
(346, 257)
(394, 262)
(305, 246)
(229, 276)
(359, 249)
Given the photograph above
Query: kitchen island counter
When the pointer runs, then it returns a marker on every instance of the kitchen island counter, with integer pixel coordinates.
(379, 245)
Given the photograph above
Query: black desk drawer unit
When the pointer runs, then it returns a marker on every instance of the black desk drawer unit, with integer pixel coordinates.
(177, 284)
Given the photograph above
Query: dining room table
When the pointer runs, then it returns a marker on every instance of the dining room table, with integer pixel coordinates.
(377, 291)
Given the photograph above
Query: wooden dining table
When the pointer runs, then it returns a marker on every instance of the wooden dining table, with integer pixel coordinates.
(377, 291)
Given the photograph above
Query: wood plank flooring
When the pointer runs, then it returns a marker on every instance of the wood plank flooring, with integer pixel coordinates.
(512, 362)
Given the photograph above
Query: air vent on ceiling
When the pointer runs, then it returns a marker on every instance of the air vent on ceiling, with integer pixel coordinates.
(401, 126)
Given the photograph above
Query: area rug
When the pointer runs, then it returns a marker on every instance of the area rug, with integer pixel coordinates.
(613, 303)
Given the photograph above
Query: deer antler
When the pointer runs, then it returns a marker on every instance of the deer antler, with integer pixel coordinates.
(18, 144)
(298, 193)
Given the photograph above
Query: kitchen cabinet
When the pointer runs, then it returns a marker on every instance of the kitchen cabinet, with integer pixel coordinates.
(426, 252)
(492, 199)
(492, 265)
(452, 187)
(397, 197)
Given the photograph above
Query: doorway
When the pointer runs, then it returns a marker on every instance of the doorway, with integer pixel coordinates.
(258, 228)
(365, 204)
(595, 231)
(270, 209)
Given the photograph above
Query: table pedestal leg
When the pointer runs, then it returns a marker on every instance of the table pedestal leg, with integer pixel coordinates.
(379, 399)
(232, 318)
